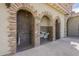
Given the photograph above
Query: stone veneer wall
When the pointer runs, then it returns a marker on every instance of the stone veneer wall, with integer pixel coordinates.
(4, 48)
(38, 11)
(13, 25)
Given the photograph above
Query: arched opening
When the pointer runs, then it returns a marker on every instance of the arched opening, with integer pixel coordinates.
(25, 26)
(67, 27)
(45, 30)
(73, 27)
(57, 25)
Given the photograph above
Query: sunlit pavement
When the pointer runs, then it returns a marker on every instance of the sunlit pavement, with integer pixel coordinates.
(61, 47)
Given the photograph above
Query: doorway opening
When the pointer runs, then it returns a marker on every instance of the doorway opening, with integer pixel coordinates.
(25, 26)
(57, 25)
(45, 30)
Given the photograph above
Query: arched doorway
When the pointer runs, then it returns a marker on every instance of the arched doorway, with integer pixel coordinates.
(45, 30)
(73, 27)
(67, 27)
(57, 25)
(25, 24)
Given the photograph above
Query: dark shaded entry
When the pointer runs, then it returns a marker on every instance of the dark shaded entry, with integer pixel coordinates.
(57, 25)
(24, 30)
(46, 33)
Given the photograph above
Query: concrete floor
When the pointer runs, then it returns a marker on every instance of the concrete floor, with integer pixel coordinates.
(61, 47)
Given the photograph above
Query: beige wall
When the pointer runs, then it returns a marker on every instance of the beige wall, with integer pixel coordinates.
(3, 30)
(4, 45)
(73, 26)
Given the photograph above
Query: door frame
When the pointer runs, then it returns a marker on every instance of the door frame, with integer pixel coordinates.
(12, 28)
(49, 18)
(57, 23)
(32, 25)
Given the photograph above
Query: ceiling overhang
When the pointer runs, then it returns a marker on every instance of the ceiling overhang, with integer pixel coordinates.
(59, 7)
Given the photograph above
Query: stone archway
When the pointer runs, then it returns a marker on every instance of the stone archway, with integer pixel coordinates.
(46, 30)
(57, 24)
(57, 28)
(67, 27)
(12, 27)
(25, 24)
(73, 27)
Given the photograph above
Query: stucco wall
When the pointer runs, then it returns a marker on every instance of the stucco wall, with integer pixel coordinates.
(3, 30)
(73, 26)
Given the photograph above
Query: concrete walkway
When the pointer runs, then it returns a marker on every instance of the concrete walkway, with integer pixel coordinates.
(61, 47)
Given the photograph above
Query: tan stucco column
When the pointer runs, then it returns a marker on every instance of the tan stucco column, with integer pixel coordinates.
(65, 25)
(54, 30)
(37, 31)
